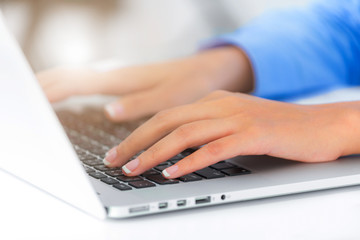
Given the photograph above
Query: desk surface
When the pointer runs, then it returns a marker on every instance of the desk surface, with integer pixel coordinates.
(28, 213)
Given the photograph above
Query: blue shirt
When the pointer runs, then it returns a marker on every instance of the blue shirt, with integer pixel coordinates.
(302, 51)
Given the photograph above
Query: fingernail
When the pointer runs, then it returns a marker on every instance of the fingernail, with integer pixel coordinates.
(131, 166)
(110, 156)
(170, 171)
(114, 109)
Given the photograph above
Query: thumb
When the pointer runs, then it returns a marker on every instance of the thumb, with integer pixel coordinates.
(135, 106)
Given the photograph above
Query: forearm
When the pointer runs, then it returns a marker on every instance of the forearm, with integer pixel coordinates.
(226, 68)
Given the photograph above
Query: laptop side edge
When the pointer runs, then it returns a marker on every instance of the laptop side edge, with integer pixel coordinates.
(34, 146)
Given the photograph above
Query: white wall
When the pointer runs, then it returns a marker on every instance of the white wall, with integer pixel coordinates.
(76, 32)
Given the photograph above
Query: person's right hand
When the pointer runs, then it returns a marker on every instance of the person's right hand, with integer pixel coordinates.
(227, 125)
(146, 90)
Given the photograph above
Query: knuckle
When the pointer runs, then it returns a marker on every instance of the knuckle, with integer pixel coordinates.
(161, 120)
(152, 154)
(183, 134)
(246, 125)
(189, 164)
(124, 149)
(255, 130)
(230, 103)
(184, 131)
(214, 149)
(162, 116)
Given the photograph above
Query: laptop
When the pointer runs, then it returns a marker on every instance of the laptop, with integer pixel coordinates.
(60, 152)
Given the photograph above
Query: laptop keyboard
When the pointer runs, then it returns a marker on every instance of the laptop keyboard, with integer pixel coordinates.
(92, 135)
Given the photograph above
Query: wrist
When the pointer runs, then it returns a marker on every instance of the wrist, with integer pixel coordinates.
(229, 68)
(347, 127)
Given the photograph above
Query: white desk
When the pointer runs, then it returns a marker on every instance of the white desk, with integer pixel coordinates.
(27, 213)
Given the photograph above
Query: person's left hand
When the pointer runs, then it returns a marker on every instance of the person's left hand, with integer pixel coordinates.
(232, 124)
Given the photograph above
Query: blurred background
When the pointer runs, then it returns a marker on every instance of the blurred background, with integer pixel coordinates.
(78, 32)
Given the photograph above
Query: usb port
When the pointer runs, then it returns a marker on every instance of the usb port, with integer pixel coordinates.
(181, 203)
(139, 209)
(163, 205)
(202, 200)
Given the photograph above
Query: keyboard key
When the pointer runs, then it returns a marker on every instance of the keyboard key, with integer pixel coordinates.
(222, 165)
(98, 151)
(115, 168)
(114, 173)
(102, 167)
(176, 158)
(159, 179)
(93, 162)
(109, 141)
(161, 168)
(174, 161)
(85, 144)
(93, 135)
(110, 181)
(122, 187)
(164, 164)
(190, 178)
(129, 179)
(235, 171)
(97, 175)
(150, 172)
(187, 152)
(80, 151)
(84, 157)
(142, 184)
(88, 170)
(209, 173)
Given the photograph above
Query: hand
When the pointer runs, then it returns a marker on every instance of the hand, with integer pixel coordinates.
(232, 124)
(61, 83)
(149, 89)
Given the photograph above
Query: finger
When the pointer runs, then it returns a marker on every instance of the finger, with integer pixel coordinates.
(186, 136)
(60, 83)
(159, 126)
(148, 102)
(86, 81)
(131, 79)
(46, 83)
(60, 91)
(135, 106)
(218, 150)
(54, 95)
(45, 79)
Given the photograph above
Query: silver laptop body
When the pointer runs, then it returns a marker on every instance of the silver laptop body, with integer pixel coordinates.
(35, 148)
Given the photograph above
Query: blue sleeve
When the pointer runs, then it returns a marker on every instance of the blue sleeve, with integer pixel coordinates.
(301, 51)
